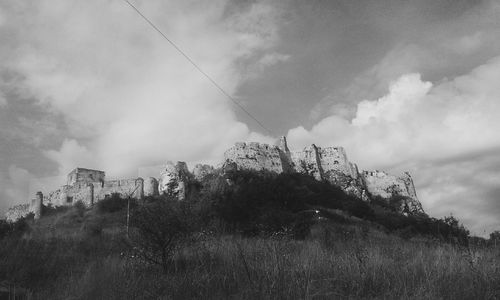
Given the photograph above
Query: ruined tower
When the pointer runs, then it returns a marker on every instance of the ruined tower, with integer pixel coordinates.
(37, 204)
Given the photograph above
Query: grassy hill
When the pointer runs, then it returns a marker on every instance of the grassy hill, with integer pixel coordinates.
(255, 239)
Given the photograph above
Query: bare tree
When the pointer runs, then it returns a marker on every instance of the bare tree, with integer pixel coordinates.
(159, 229)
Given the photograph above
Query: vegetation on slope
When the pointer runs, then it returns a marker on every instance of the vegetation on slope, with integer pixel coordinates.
(254, 238)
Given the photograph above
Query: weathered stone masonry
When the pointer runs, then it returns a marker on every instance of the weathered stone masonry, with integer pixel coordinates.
(329, 164)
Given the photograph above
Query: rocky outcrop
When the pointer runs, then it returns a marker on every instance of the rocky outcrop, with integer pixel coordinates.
(174, 180)
(379, 183)
(255, 156)
(201, 171)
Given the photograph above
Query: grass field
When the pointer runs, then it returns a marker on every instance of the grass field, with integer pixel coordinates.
(82, 255)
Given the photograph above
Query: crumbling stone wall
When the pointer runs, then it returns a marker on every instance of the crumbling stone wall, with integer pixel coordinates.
(255, 156)
(307, 162)
(335, 159)
(91, 192)
(17, 212)
(133, 188)
(379, 183)
(330, 164)
(151, 187)
(80, 175)
(200, 171)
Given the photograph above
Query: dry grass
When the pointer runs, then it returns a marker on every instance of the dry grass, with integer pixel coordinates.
(80, 255)
(333, 263)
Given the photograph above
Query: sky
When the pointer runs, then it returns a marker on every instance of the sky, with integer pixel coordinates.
(401, 85)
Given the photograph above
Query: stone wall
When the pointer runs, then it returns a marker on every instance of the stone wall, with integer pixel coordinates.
(255, 156)
(329, 164)
(92, 192)
(335, 159)
(201, 171)
(379, 183)
(16, 212)
(82, 175)
(151, 187)
(307, 162)
(133, 187)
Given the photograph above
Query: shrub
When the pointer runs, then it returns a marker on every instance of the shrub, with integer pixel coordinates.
(50, 210)
(5, 229)
(114, 203)
(161, 228)
(265, 202)
(79, 208)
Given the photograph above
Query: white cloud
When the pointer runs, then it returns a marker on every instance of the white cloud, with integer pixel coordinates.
(3, 101)
(467, 44)
(273, 58)
(15, 187)
(72, 155)
(417, 125)
(403, 95)
(128, 97)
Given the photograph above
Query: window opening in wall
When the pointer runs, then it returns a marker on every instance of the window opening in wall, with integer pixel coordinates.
(69, 199)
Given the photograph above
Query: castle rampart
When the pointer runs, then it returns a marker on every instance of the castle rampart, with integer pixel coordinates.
(92, 189)
(255, 156)
(330, 164)
(17, 212)
(325, 164)
(307, 161)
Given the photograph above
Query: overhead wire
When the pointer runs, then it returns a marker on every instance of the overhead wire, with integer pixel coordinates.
(198, 67)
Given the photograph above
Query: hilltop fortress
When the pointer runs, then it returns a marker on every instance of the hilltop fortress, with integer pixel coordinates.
(328, 164)
(325, 164)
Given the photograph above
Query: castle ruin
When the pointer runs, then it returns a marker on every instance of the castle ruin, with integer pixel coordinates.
(328, 164)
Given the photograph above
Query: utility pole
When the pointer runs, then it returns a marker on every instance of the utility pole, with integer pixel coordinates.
(128, 215)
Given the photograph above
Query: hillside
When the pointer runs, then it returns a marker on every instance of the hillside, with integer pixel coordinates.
(264, 236)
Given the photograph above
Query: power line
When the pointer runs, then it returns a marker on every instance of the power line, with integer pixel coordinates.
(198, 68)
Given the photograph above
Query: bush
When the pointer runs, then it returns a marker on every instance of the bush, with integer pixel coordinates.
(114, 203)
(4, 229)
(79, 208)
(161, 228)
(264, 202)
(50, 210)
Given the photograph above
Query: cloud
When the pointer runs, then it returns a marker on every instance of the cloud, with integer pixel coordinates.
(3, 101)
(403, 95)
(70, 155)
(273, 58)
(127, 97)
(15, 187)
(467, 44)
(417, 125)
(19, 186)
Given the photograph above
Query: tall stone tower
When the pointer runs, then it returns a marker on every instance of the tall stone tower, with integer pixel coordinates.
(37, 204)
